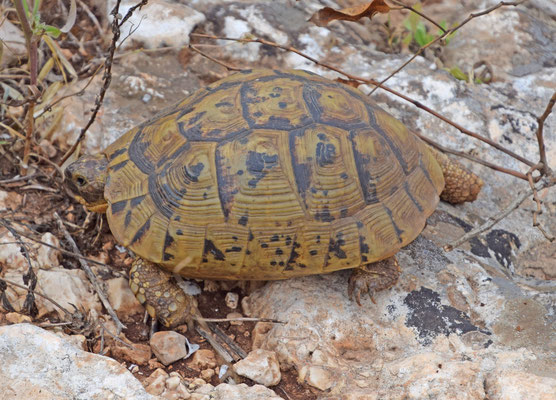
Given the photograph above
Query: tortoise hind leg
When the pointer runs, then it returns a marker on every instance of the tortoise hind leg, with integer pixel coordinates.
(460, 185)
(371, 278)
(162, 297)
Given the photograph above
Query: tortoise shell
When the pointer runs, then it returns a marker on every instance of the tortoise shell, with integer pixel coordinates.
(269, 174)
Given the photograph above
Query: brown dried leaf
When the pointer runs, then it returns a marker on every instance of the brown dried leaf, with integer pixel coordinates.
(355, 13)
(349, 82)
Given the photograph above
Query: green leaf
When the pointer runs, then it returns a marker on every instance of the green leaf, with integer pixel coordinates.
(420, 34)
(52, 31)
(458, 74)
(407, 39)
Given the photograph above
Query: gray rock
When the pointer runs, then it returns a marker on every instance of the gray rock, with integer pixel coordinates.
(260, 366)
(37, 364)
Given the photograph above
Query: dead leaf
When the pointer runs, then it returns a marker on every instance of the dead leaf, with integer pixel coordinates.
(349, 82)
(355, 13)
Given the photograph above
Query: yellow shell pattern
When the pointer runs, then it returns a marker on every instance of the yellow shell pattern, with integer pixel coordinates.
(270, 174)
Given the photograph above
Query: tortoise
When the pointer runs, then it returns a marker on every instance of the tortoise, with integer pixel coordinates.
(264, 175)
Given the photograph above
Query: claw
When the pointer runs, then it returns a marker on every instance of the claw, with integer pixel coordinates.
(372, 278)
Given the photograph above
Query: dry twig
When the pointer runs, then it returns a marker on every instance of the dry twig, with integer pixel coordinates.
(90, 275)
(394, 92)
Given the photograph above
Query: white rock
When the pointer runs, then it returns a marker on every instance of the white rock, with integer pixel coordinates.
(159, 23)
(10, 251)
(225, 391)
(48, 257)
(320, 378)
(232, 300)
(520, 385)
(122, 298)
(38, 365)
(260, 366)
(67, 287)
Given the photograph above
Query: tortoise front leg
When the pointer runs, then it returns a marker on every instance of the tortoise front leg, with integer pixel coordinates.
(162, 297)
(371, 278)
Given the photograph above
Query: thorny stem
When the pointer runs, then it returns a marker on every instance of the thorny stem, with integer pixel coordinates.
(376, 83)
(31, 44)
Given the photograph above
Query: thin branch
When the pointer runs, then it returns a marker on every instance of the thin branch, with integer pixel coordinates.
(376, 83)
(63, 251)
(538, 210)
(242, 319)
(107, 77)
(540, 139)
(497, 218)
(399, 3)
(34, 291)
(227, 66)
(495, 167)
(444, 35)
(90, 274)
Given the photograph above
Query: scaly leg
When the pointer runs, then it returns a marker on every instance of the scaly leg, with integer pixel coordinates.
(161, 296)
(371, 278)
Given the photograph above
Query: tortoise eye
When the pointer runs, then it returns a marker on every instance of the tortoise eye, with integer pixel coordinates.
(81, 181)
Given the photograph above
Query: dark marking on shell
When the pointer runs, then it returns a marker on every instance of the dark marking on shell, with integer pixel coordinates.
(258, 165)
(399, 232)
(335, 246)
(395, 150)
(325, 154)
(141, 232)
(324, 215)
(127, 219)
(117, 153)
(279, 251)
(233, 249)
(136, 201)
(311, 96)
(413, 199)
(137, 154)
(211, 248)
(363, 166)
(179, 232)
(118, 166)
(243, 220)
(313, 252)
(118, 206)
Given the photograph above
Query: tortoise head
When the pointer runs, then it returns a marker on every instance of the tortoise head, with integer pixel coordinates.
(86, 178)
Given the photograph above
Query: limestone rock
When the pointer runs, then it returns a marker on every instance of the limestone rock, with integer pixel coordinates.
(67, 287)
(136, 353)
(122, 298)
(37, 364)
(168, 346)
(47, 257)
(203, 359)
(260, 366)
(232, 300)
(226, 391)
(159, 23)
